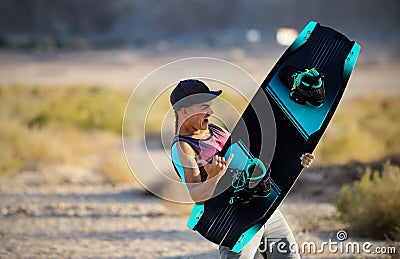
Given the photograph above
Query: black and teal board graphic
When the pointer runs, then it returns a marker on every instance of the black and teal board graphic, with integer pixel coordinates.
(299, 127)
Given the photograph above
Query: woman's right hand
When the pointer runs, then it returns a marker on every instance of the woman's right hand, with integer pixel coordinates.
(218, 166)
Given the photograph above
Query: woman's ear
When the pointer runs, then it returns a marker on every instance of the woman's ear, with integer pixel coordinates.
(183, 111)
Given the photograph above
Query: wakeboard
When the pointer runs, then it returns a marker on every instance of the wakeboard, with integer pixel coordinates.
(318, 51)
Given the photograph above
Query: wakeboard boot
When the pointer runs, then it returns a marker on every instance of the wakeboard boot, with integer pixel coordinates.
(306, 87)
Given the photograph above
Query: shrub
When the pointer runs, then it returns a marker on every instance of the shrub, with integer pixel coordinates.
(364, 129)
(371, 206)
(12, 138)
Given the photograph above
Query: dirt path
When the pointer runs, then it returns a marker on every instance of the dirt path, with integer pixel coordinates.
(78, 214)
(73, 212)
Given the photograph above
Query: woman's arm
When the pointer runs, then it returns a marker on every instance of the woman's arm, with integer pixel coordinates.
(200, 191)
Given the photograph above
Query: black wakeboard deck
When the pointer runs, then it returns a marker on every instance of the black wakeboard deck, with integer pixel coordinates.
(299, 128)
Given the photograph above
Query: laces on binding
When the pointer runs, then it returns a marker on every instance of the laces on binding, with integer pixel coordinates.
(242, 178)
(312, 73)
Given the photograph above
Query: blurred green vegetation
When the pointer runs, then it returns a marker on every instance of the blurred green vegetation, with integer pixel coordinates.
(40, 126)
(371, 206)
(86, 108)
(48, 126)
(364, 129)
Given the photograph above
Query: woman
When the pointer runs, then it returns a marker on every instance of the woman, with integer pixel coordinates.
(197, 161)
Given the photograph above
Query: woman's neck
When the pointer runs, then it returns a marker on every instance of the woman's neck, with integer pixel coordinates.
(190, 132)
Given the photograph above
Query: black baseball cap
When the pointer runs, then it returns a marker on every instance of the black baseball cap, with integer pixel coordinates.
(191, 91)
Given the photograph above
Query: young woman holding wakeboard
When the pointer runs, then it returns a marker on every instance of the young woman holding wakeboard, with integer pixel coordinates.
(198, 141)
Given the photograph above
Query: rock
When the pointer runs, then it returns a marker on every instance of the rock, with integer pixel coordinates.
(4, 211)
(60, 206)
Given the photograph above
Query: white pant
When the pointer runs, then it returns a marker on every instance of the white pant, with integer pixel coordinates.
(276, 232)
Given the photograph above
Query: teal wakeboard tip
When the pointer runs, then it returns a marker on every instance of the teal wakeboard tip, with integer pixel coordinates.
(350, 61)
(245, 238)
(197, 212)
(303, 36)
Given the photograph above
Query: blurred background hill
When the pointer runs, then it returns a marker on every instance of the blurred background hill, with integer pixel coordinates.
(135, 23)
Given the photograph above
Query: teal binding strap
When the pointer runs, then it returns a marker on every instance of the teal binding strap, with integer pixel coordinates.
(311, 73)
(241, 178)
(256, 162)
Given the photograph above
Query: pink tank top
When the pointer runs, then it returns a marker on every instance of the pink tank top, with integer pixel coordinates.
(205, 148)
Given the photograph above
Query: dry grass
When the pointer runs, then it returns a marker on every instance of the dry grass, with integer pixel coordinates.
(304, 216)
(81, 125)
(366, 129)
(372, 205)
(114, 166)
(43, 127)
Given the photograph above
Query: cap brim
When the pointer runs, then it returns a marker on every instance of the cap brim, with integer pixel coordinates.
(197, 98)
(216, 92)
(208, 97)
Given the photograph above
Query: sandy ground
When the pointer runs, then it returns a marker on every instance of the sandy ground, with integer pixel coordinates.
(73, 212)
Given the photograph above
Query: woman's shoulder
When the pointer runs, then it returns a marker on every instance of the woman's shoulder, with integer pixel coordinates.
(185, 144)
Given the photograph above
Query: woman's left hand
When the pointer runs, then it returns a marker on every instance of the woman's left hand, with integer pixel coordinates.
(307, 159)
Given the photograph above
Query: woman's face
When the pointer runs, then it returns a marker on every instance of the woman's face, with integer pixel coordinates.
(196, 115)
